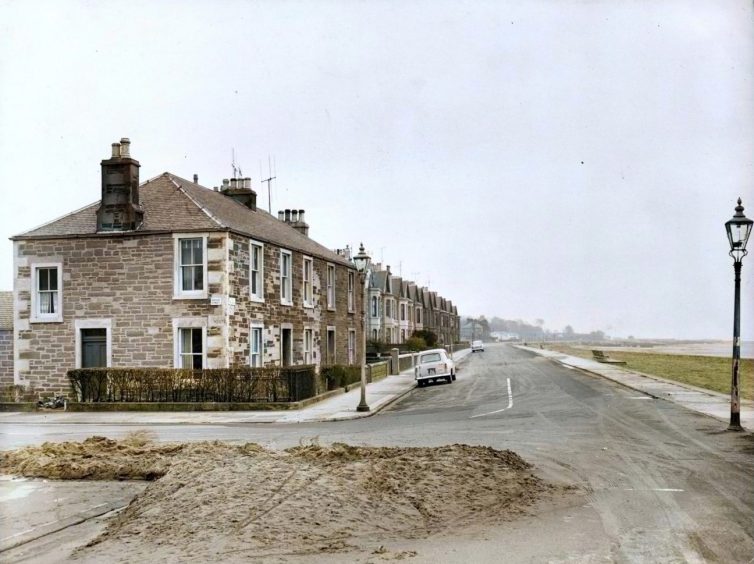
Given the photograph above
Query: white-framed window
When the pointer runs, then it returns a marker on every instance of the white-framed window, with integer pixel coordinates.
(308, 345)
(47, 294)
(403, 312)
(418, 315)
(256, 271)
(351, 346)
(375, 306)
(286, 287)
(308, 288)
(256, 345)
(330, 286)
(190, 266)
(388, 308)
(351, 284)
(190, 342)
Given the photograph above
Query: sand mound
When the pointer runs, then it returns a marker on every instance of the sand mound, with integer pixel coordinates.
(135, 457)
(220, 502)
(312, 499)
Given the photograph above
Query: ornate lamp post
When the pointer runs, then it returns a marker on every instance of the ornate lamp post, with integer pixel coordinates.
(362, 261)
(739, 229)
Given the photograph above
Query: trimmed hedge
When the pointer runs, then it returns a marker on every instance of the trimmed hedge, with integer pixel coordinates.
(340, 376)
(242, 384)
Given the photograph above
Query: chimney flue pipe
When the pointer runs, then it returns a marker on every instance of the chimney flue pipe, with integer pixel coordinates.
(125, 148)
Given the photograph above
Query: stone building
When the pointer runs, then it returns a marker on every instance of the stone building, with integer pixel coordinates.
(399, 307)
(6, 339)
(168, 273)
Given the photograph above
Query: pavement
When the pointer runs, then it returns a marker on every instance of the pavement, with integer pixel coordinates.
(703, 401)
(341, 407)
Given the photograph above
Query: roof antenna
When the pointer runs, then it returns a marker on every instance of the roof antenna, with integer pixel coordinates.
(271, 176)
(237, 172)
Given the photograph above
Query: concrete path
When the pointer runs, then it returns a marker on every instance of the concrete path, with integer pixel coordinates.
(710, 403)
(337, 408)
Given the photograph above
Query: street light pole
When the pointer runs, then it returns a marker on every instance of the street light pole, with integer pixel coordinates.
(738, 229)
(362, 261)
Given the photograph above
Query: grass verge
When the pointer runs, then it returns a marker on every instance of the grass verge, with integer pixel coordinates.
(708, 372)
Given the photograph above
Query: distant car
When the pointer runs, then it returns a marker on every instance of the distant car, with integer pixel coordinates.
(477, 346)
(434, 365)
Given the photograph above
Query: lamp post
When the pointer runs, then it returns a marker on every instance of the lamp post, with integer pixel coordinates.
(362, 261)
(739, 229)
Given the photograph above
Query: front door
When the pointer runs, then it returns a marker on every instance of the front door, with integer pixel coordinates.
(93, 348)
(330, 347)
(286, 347)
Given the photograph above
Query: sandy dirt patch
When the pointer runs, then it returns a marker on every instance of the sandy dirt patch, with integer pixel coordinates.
(220, 502)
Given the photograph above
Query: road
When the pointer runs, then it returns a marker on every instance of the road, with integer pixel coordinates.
(658, 483)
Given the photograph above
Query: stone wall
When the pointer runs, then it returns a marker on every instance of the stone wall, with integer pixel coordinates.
(6, 357)
(125, 279)
(274, 315)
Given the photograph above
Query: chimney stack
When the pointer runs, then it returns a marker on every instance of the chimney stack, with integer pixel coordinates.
(119, 208)
(294, 218)
(196, 178)
(239, 189)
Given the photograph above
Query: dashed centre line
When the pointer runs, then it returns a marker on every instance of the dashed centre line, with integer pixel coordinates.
(510, 403)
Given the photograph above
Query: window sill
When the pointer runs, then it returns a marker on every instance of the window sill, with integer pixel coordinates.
(308, 306)
(58, 319)
(256, 299)
(197, 296)
(286, 303)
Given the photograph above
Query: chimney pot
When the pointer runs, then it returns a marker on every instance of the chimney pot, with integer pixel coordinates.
(125, 148)
(281, 216)
(196, 178)
(294, 216)
(287, 215)
(116, 151)
(247, 182)
(301, 216)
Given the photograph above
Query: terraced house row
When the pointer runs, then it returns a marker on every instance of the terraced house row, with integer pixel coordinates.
(398, 308)
(168, 273)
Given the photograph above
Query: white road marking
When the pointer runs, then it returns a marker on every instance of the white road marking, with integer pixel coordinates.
(652, 490)
(510, 403)
(641, 397)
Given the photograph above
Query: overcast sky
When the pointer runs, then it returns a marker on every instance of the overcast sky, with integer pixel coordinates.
(570, 161)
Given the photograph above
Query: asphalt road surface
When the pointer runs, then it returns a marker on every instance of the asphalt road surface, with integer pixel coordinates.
(658, 483)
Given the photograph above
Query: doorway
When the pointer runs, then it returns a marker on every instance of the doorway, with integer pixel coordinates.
(286, 347)
(330, 347)
(93, 348)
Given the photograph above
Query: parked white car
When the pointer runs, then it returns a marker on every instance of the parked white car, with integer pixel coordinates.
(434, 365)
(477, 346)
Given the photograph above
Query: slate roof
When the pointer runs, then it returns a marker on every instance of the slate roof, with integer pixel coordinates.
(378, 280)
(396, 286)
(6, 311)
(172, 203)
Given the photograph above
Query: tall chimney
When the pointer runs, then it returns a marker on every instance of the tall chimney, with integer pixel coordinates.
(239, 189)
(119, 208)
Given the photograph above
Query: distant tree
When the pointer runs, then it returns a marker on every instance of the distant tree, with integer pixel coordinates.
(416, 344)
(429, 337)
(568, 332)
